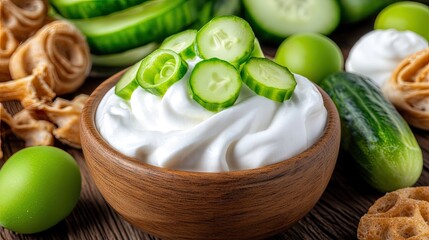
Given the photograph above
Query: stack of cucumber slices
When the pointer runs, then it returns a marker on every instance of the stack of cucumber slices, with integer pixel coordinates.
(230, 55)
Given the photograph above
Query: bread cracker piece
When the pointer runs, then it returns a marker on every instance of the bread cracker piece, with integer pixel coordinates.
(401, 214)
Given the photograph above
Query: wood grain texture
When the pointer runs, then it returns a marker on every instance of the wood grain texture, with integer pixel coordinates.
(335, 216)
(249, 204)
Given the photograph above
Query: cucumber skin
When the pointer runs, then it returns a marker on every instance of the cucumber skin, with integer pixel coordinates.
(149, 30)
(264, 90)
(91, 8)
(374, 133)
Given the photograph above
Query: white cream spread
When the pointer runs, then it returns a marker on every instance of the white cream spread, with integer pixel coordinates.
(378, 52)
(176, 132)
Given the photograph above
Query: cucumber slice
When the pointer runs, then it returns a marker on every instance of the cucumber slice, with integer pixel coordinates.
(257, 50)
(215, 84)
(229, 38)
(125, 87)
(125, 58)
(136, 26)
(274, 20)
(159, 70)
(182, 43)
(268, 79)
(76, 9)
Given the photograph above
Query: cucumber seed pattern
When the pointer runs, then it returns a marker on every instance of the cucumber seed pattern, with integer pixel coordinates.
(219, 82)
(269, 75)
(221, 39)
(295, 9)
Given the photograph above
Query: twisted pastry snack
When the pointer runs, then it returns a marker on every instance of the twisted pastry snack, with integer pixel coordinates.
(62, 48)
(59, 119)
(33, 131)
(32, 91)
(8, 44)
(66, 116)
(408, 89)
(23, 17)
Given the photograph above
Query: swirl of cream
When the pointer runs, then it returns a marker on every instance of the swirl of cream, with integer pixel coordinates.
(176, 132)
(23, 17)
(378, 52)
(62, 49)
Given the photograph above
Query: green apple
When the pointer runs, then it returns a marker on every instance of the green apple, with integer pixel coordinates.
(412, 16)
(311, 55)
(39, 187)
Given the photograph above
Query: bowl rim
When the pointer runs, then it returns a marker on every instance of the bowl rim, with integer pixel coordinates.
(88, 122)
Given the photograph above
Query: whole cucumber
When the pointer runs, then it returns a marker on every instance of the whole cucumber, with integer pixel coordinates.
(374, 133)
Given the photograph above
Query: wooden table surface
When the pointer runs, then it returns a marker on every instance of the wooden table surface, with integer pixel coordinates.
(335, 216)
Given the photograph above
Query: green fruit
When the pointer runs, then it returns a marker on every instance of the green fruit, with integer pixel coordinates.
(311, 55)
(353, 11)
(410, 16)
(39, 187)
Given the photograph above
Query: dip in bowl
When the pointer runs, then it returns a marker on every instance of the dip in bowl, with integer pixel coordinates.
(169, 203)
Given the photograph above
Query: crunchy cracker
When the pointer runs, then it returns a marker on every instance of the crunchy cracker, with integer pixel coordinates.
(401, 214)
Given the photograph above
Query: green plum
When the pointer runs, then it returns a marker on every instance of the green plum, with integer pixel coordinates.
(311, 55)
(39, 187)
(412, 16)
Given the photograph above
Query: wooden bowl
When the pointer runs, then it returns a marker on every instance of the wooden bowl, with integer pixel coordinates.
(172, 204)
